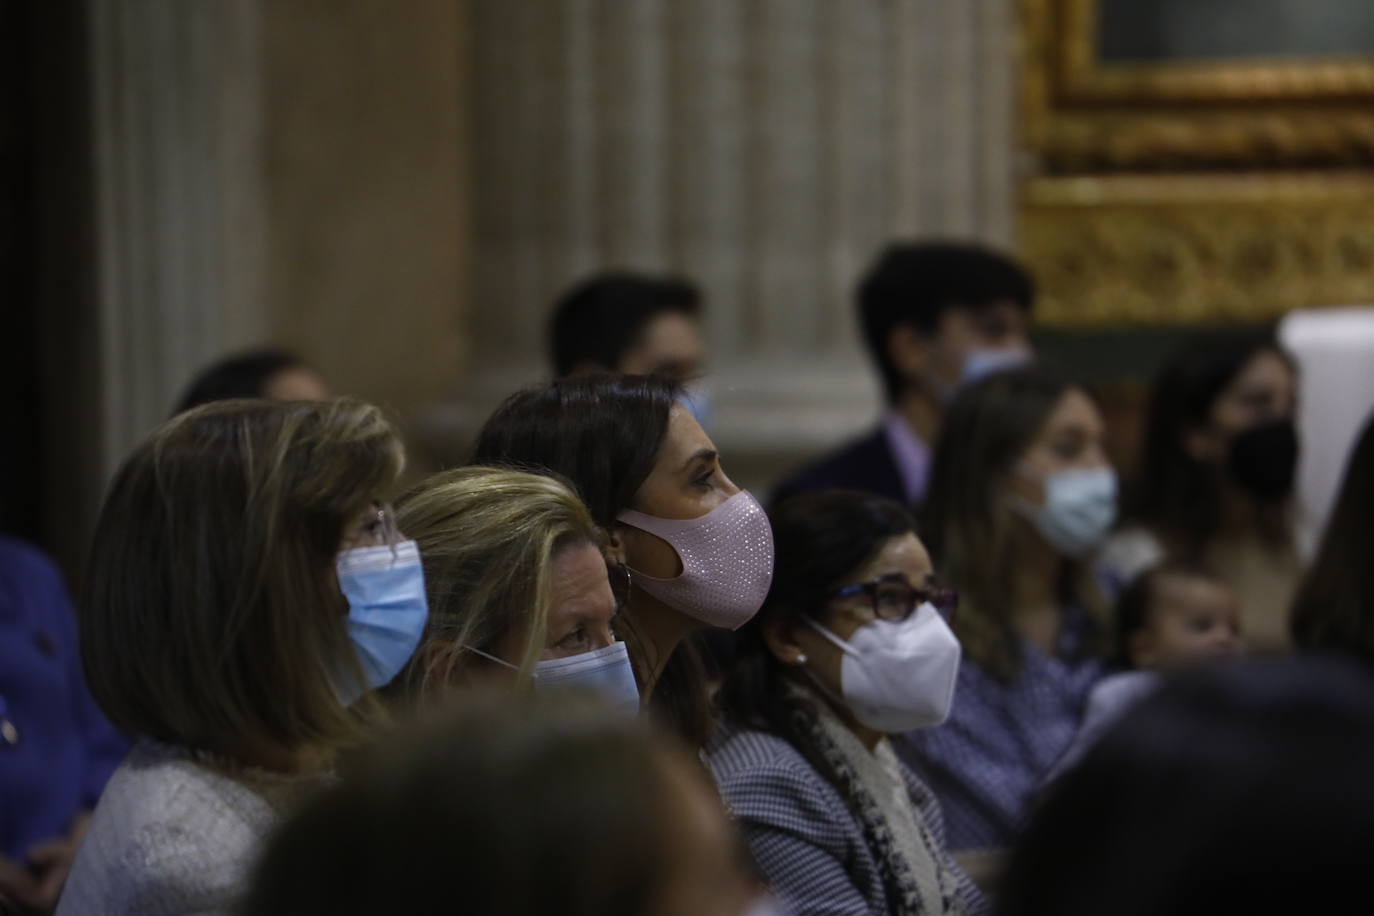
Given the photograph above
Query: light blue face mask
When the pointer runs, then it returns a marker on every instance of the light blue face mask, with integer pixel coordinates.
(1079, 509)
(984, 361)
(387, 610)
(605, 672)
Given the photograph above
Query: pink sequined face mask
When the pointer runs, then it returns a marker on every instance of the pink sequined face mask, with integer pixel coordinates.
(727, 561)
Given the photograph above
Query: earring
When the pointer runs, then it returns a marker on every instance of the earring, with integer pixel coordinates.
(801, 658)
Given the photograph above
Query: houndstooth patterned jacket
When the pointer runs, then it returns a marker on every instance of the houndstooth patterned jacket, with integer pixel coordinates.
(810, 847)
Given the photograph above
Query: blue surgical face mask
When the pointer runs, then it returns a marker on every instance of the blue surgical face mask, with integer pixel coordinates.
(387, 610)
(1079, 509)
(605, 672)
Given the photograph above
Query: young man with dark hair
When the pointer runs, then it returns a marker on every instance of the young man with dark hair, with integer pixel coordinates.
(631, 323)
(935, 316)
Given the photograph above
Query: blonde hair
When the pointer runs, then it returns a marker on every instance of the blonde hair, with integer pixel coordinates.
(487, 537)
(211, 615)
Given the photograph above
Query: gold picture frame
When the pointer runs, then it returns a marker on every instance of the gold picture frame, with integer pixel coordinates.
(1082, 114)
(1084, 77)
(1177, 192)
(1124, 250)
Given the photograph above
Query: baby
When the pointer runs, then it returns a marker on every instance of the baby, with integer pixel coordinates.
(1170, 615)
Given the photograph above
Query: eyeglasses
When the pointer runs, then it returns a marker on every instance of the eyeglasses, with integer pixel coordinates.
(894, 598)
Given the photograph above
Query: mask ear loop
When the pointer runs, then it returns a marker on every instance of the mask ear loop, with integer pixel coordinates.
(489, 657)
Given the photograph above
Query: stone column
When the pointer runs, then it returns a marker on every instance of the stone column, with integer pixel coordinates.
(178, 196)
(766, 148)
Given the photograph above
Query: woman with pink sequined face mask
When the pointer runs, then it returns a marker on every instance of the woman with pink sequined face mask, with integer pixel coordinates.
(697, 549)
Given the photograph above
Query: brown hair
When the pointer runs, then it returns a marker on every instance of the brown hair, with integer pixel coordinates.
(967, 519)
(487, 537)
(211, 615)
(512, 805)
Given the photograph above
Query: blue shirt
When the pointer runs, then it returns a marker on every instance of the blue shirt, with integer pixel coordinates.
(66, 749)
(990, 757)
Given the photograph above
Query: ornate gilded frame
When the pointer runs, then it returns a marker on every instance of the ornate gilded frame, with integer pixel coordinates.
(1082, 114)
(1084, 78)
(1190, 192)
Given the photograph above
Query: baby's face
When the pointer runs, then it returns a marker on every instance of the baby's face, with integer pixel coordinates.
(1191, 618)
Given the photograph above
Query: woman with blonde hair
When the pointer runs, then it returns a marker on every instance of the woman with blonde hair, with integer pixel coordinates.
(245, 588)
(698, 549)
(519, 589)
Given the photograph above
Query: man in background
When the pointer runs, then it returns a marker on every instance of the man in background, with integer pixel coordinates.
(935, 316)
(627, 322)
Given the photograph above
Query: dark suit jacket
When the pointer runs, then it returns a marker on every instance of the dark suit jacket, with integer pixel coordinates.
(864, 464)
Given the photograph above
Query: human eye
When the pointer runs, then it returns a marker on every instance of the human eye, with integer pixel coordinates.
(576, 641)
(893, 599)
(705, 477)
(1068, 446)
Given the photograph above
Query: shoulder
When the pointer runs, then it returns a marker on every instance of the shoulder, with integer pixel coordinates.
(161, 802)
(1118, 690)
(762, 777)
(1126, 554)
(24, 557)
(851, 465)
(28, 570)
(168, 835)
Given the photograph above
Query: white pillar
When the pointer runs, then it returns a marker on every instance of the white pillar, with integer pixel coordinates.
(176, 104)
(765, 148)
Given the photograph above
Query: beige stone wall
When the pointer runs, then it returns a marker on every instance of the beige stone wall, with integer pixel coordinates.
(399, 189)
(766, 148)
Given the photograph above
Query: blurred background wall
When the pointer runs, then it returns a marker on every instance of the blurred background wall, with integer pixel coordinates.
(399, 190)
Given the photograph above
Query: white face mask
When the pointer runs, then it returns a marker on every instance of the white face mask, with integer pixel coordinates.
(606, 672)
(983, 361)
(1079, 509)
(898, 675)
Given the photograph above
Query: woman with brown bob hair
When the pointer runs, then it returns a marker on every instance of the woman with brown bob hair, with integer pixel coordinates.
(227, 625)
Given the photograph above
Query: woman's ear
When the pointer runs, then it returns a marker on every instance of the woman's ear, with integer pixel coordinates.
(779, 631)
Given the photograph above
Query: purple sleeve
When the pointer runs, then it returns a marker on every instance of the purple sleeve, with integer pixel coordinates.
(105, 747)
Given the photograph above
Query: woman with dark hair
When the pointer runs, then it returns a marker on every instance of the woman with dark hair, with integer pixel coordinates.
(1020, 496)
(1216, 478)
(850, 647)
(698, 548)
(1334, 607)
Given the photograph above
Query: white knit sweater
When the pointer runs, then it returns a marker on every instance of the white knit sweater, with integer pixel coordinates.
(175, 834)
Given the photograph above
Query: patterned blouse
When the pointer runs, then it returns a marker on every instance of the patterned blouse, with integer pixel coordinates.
(987, 761)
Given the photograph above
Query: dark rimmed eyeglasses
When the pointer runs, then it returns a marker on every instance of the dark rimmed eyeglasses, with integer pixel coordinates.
(892, 597)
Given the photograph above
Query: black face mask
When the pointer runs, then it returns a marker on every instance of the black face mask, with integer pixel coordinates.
(1264, 459)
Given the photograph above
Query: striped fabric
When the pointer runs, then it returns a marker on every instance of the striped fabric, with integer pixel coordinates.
(808, 844)
(1001, 740)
